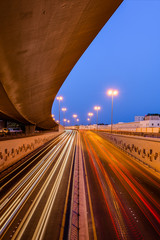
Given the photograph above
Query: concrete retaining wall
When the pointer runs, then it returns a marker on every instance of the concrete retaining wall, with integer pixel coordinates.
(13, 150)
(147, 150)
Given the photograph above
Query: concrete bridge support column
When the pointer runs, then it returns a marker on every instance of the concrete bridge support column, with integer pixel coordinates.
(3, 124)
(29, 129)
(57, 128)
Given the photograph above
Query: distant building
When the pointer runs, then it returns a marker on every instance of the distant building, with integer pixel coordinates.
(154, 116)
(138, 118)
(141, 126)
(131, 126)
(150, 124)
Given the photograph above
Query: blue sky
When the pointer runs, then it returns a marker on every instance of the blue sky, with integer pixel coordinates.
(125, 56)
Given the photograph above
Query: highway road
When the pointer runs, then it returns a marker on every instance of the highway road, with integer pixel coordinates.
(123, 197)
(35, 195)
(80, 188)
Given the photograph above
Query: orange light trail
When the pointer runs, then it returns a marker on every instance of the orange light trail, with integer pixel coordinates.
(132, 186)
(120, 172)
(119, 216)
(91, 160)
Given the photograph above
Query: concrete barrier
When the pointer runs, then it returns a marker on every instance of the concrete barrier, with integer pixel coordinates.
(147, 150)
(13, 150)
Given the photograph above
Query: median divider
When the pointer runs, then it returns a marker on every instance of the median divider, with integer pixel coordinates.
(78, 227)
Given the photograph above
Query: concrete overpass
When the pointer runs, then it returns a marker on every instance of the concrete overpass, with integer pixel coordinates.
(40, 42)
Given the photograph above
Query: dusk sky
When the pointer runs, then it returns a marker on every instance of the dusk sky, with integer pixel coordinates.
(125, 56)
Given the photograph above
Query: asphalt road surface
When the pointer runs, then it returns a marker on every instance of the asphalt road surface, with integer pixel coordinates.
(123, 196)
(33, 198)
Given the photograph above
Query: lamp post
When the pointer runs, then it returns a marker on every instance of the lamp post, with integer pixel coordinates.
(97, 108)
(64, 110)
(90, 115)
(68, 121)
(59, 98)
(52, 115)
(77, 121)
(112, 93)
(64, 120)
(88, 119)
(75, 116)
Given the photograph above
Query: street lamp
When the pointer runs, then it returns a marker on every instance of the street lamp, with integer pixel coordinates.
(68, 121)
(77, 120)
(52, 115)
(112, 93)
(75, 116)
(88, 119)
(90, 115)
(64, 110)
(64, 120)
(59, 98)
(97, 108)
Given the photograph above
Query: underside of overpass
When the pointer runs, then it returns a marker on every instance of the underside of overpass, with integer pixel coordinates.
(40, 42)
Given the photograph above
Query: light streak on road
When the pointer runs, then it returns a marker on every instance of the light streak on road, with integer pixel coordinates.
(122, 196)
(18, 195)
(112, 206)
(39, 232)
(33, 173)
(15, 175)
(116, 173)
(31, 179)
(123, 173)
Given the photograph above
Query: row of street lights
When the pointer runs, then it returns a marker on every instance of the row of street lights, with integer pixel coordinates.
(60, 98)
(90, 114)
(64, 119)
(76, 119)
(110, 92)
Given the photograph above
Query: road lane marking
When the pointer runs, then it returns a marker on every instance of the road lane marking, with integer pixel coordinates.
(42, 224)
(66, 201)
(17, 203)
(24, 223)
(30, 172)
